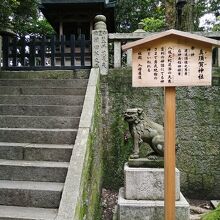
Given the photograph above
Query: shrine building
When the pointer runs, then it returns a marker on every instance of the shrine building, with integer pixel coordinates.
(77, 16)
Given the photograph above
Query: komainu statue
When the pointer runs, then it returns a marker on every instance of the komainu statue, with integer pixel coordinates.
(142, 130)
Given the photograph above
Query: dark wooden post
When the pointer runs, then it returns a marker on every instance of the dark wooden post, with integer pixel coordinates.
(14, 51)
(72, 46)
(62, 50)
(53, 41)
(82, 50)
(32, 52)
(23, 44)
(5, 51)
(42, 49)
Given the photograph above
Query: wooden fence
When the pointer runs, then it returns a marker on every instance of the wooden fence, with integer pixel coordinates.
(31, 53)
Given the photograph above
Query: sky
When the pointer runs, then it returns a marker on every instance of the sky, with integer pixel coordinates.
(207, 21)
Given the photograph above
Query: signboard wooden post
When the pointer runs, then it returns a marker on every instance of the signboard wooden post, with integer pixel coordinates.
(169, 59)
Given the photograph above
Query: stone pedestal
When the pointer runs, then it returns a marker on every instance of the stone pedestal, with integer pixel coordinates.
(143, 195)
(148, 209)
(147, 183)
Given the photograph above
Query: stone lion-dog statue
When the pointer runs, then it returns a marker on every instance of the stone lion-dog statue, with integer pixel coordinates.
(142, 130)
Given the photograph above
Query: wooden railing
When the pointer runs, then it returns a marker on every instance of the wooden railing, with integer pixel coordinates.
(31, 53)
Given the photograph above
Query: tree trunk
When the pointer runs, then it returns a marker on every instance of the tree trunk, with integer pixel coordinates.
(187, 23)
(170, 13)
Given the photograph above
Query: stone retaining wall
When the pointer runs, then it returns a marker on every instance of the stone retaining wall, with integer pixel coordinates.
(198, 131)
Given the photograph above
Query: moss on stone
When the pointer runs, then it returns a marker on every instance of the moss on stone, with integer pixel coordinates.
(89, 206)
(213, 215)
(118, 143)
(96, 171)
(198, 121)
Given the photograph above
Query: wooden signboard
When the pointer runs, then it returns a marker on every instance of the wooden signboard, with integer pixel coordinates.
(172, 58)
(169, 59)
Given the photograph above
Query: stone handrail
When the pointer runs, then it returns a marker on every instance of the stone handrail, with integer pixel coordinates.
(72, 195)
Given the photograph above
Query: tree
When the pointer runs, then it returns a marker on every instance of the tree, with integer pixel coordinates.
(23, 17)
(170, 13)
(7, 7)
(162, 14)
(216, 26)
(130, 13)
(154, 24)
(203, 8)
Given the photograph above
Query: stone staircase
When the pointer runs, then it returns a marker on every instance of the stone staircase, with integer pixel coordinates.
(38, 126)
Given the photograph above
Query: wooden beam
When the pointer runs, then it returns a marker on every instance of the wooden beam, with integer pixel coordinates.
(170, 152)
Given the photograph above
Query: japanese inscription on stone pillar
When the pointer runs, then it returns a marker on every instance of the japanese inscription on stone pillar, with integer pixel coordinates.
(172, 63)
(100, 50)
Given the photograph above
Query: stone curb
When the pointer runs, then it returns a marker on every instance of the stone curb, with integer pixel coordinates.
(72, 188)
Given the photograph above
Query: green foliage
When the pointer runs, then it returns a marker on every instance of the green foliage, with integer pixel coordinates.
(117, 138)
(153, 24)
(36, 27)
(7, 7)
(216, 27)
(23, 17)
(130, 13)
(155, 13)
(203, 7)
(213, 215)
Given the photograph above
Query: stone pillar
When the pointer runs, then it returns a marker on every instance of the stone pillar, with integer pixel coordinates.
(129, 52)
(100, 45)
(117, 54)
(129, 57)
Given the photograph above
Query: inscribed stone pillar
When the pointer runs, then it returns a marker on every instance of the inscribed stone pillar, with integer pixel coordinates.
(100, 45)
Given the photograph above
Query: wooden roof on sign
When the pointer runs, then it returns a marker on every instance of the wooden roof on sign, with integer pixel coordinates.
(171, 32)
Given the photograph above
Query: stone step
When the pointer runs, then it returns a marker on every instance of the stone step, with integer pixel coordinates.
(15, 121)
(41, 110)
(35, 152)
(41, 171)
(46, 74)
(42, 99)
(26, 213)
(18, 90)
(30, 194)
(45, 83)
(39, 136)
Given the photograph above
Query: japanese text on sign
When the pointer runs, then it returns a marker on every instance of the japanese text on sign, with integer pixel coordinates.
(171, 65)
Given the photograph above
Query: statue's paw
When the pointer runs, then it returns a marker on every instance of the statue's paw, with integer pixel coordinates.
(134, 156)
(152, 157)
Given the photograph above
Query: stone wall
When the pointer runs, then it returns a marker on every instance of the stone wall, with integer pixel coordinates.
(198, 131)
